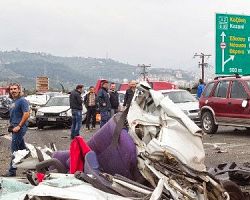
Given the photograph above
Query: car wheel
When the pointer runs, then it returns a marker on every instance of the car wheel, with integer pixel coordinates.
(207, 122)
(39, 126)
(233, 190)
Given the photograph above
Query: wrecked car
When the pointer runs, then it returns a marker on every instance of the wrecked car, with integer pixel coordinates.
(5, 103)
(150, 151)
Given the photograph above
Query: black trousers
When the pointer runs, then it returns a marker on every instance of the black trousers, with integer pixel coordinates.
(91, 116)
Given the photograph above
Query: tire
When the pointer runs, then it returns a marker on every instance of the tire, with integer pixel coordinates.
(39, 126)
(207, 123)
(233, 190)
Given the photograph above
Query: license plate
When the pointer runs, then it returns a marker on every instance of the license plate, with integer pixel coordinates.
(33, 113)
(51, 119)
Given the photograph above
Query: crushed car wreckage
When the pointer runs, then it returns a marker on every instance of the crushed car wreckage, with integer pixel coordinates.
(150, 151)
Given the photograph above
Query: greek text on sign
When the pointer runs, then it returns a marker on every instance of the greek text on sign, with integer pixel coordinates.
(232, 44)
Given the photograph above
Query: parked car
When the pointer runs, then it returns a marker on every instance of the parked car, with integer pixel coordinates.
(186, 102)
(56, 111)
(225, 101)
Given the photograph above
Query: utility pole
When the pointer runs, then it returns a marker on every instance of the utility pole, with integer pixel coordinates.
(144, 73)
(202, 63)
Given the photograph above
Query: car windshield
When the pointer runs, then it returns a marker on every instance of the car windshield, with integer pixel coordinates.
(180, 96)
(58, 101)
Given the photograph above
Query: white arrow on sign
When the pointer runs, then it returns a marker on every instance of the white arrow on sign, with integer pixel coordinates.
(231, 58)
(223, 35)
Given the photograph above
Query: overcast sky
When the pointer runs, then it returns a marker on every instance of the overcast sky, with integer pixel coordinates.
(163, 33)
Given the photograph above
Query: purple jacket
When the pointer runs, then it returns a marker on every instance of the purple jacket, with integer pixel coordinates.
(115, 160)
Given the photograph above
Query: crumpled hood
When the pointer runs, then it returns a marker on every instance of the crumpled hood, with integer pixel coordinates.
(165, 129)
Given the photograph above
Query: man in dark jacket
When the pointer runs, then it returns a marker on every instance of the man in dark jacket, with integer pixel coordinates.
(129, 93)
(75, 100)
(104, 103)
(90, 101)
(114, 99)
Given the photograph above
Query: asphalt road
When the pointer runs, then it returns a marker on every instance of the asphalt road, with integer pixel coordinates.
(228, 145)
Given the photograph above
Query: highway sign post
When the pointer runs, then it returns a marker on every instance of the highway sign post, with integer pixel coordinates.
(232, 44)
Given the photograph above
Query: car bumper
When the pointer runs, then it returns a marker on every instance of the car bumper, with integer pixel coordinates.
(53, 120)
(196, 118)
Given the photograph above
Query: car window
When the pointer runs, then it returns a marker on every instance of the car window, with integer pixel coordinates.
(180, 96)
(238, 91)
(248, 83)
(121, 97)
(58, 101)
(221, 89)
(208, 89)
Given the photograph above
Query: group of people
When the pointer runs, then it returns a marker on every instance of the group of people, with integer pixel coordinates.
(106, 100)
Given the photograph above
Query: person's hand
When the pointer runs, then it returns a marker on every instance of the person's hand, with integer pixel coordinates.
(16, 129)
(104, 104)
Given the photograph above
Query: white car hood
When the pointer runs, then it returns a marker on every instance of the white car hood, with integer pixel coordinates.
(54, 109)
(37, 99)
(188, 105)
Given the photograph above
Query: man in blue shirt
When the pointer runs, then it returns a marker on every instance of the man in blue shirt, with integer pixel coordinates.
(19, 114)
(200, 88)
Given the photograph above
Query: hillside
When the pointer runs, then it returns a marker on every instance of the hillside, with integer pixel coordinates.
(24, 67)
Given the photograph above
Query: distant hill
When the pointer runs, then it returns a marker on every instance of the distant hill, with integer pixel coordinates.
(24, 67)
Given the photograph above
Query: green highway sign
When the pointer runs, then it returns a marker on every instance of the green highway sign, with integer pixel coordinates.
(232, 44)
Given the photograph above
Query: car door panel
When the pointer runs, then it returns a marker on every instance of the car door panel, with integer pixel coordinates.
(239, 113)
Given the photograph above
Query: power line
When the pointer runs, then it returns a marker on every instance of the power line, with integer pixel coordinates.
(144, 73)
(202, 63)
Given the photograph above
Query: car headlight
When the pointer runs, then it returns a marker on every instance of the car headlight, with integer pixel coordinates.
(66, 113)
(63, 114)
(186, 112)
(39, 113)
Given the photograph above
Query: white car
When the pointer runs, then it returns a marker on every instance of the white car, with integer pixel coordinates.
(56, 111)
(186, 102)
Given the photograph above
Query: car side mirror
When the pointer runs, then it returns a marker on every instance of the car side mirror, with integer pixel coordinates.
(244, 103)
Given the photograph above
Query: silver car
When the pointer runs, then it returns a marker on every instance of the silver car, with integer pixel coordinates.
(186, 102)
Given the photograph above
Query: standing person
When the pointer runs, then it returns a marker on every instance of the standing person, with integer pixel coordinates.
(104, 103)
(19, 114)
(75, 100)
(129, 93)
(90, 101)
(200, 88)
(114, 99)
